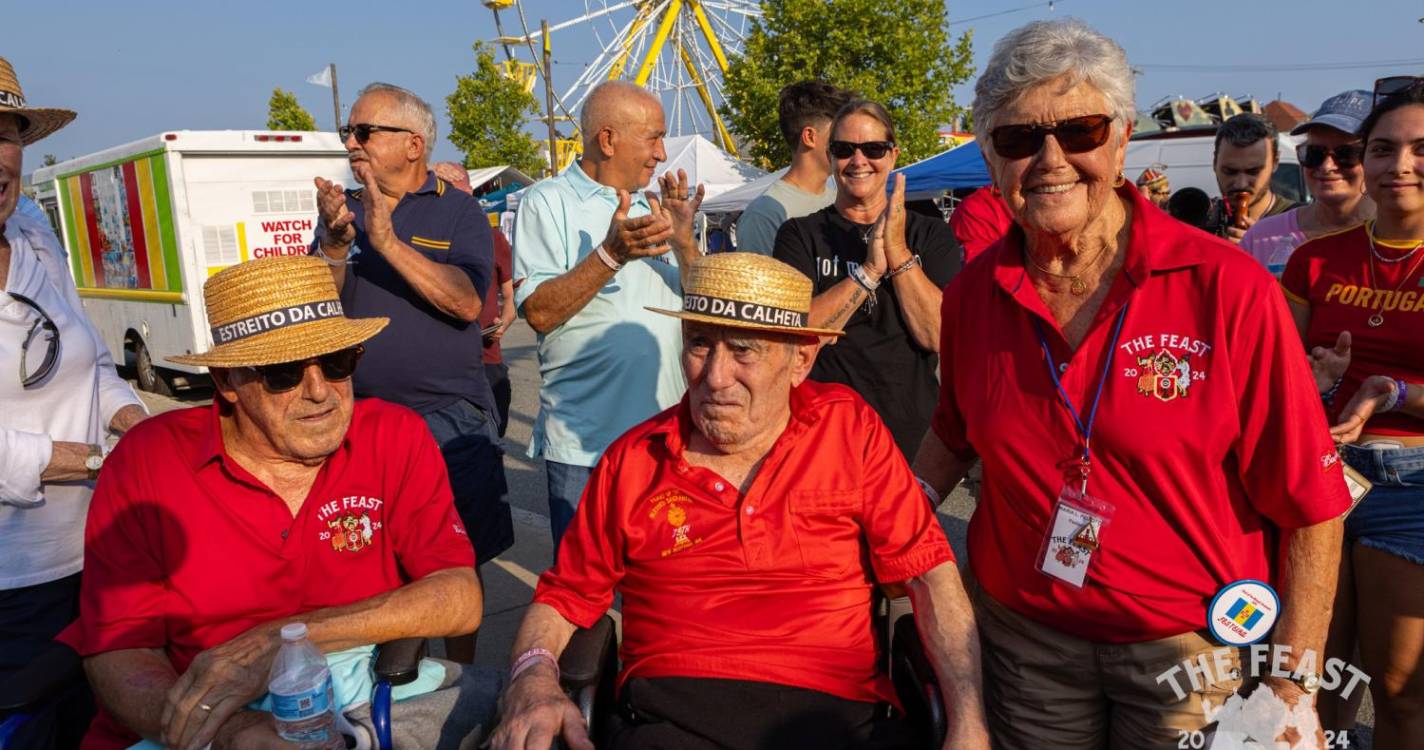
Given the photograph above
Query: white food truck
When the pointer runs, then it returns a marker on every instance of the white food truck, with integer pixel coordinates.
(146, 223)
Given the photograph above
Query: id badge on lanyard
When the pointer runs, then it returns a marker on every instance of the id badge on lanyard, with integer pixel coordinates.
(1075, 532)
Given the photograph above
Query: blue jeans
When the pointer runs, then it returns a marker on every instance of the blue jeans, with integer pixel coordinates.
(1391, 517)
(475, 461)
(566, 483)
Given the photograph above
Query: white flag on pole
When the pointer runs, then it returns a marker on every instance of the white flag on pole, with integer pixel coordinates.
(321, 79)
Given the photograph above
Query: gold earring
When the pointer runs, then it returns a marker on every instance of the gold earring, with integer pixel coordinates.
(1121, 178)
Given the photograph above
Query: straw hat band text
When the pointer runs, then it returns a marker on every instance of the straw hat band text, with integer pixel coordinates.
(747, 312)
(275, 319)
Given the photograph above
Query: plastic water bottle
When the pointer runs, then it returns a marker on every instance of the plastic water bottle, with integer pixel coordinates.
(302, 699)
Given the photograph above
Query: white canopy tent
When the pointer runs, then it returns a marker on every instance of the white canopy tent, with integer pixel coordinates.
(704, 162)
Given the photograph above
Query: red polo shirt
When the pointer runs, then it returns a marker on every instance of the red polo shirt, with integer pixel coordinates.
(1210, 433)
(503, 271)
(1334, 275)
(774, 585)
(979, 221)
(184, 549)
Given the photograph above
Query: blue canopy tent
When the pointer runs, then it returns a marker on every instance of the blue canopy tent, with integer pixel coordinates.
(959, 167)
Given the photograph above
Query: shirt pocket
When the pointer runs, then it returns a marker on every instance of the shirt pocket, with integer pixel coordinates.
(827, 527)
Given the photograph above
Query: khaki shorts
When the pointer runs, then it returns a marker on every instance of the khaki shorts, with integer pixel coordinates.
(1047, 689)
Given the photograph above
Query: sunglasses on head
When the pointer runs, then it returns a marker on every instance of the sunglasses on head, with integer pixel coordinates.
(1075, 136)
(363, 131)
(1345, 155)
(871, 149)
(335, 366)
(43, 325)
(1394, 86)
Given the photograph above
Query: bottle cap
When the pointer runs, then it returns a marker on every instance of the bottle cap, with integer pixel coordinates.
(294, 631)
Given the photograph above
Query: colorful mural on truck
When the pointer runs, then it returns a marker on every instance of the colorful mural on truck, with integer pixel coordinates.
(118, 226)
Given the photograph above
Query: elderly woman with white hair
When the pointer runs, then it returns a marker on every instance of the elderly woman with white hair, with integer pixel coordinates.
(1154, 452)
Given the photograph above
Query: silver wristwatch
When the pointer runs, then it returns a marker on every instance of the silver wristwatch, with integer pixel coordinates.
(94, 461)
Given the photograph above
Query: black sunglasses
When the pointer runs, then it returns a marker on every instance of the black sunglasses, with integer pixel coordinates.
(51, 332)
(871, 149)
(1075, 136)
(335, 366)
(363, 131)
(1346, 155)
(1394, 86)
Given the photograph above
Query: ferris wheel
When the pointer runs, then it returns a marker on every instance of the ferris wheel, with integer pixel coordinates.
(678, 49)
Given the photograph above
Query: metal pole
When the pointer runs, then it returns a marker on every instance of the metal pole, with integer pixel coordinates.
(335, 97)
(549, 99)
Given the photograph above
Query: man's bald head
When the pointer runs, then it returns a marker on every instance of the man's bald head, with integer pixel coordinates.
(622, 135)
(614, 104)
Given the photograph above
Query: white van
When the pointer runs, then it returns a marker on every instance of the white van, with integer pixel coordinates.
(1188, 153)
(146, 223)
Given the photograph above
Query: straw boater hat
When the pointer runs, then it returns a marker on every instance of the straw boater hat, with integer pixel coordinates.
(273, 310)
(747, 290)
(36, 122)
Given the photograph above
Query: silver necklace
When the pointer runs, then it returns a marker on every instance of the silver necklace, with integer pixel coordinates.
(1370, 231)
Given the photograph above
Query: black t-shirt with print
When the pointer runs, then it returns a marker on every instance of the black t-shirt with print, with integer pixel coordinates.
(877, 356)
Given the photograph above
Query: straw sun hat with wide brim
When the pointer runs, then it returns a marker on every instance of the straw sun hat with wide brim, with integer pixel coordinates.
(274, 310)
(748, 290)
(35, 122)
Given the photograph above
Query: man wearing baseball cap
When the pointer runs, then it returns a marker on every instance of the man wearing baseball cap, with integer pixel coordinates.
(746, 527)
(285, 501)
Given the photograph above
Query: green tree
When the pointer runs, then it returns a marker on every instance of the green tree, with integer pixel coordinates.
(897, 52)
(49, 160)
(488, 111)
(284, 112)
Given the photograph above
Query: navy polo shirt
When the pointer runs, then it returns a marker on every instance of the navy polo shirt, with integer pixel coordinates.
(424, 359)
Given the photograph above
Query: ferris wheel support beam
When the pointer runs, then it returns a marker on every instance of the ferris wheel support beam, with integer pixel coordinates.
(724, 138)
(645, 14)
(710, 36)
(656, 47)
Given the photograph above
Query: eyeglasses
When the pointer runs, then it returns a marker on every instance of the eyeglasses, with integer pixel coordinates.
(1075, 136)
(1345, 155)
(1394, 86)
(51, 333)
(335, 366)
(363, 131)
(871, 149)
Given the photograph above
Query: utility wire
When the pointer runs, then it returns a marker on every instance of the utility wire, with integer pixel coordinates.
(1279, 67)
(1050, 5)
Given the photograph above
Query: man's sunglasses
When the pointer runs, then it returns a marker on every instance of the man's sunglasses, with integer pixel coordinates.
(871, 149)
(363, 131)
(1346, 155)
(1075, 136)
(1394, 86)
(335, 366)
(50, 331)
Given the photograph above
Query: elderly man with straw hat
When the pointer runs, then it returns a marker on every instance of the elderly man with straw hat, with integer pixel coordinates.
(746, 527)
(285, 501)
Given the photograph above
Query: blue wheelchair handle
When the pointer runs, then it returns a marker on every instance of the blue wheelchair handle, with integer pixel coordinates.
(381, 714)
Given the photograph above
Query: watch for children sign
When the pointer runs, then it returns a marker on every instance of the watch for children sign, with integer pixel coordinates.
(279, 237)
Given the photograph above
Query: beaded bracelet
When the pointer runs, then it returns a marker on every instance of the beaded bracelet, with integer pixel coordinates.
(1328, 396)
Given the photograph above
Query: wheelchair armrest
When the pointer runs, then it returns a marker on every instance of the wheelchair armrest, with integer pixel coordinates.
(583, 661)
(916, 683)
(398, 662)
(48, 675)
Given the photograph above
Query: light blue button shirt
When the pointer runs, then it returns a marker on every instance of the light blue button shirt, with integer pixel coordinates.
(613, 364)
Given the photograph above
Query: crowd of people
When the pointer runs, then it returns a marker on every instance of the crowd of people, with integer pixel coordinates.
(749, 447)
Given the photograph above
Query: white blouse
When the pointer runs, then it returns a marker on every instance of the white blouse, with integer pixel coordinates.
(42, 525)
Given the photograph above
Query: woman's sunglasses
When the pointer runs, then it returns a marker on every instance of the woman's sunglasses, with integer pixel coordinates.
(1346, 155)
(871, 149)
(45, 326)
(1075, 136)
(363, 131)
(335, 366)
(1394, 86)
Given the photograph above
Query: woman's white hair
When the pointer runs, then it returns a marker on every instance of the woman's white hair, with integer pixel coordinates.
(1046, 50)
(414, 112)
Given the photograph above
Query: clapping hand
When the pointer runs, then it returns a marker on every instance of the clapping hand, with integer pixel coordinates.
(338, 222)
(896, 251)
(1328, 365)
(680, 203)
(1373, 393)
(379, 229)
(643, 237)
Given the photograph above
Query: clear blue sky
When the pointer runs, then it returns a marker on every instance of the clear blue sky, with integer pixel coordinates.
(137, 68)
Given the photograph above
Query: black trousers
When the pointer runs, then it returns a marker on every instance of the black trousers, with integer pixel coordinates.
(691, 713)
(497, 374)
(30, 618)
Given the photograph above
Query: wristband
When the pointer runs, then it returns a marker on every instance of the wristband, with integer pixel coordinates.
(903, 267)
(857, 273)
(607, 259)
(930, 492)
(530, 658)
(350, 255)
(1396, 399)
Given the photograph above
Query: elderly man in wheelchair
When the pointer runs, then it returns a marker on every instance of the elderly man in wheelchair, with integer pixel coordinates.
(286, 501)
(746, 528)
